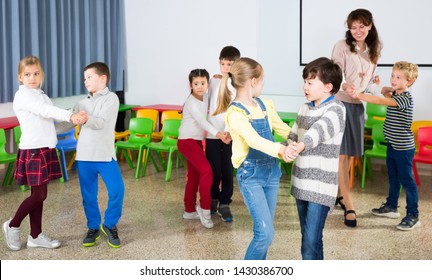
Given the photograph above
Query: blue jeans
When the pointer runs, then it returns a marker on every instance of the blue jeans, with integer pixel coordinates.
(111, 175)
(399, 165)
(259, 184)
(312, 220)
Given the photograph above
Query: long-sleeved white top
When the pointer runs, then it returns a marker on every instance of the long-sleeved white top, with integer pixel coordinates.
(194, 122)
(35, 113)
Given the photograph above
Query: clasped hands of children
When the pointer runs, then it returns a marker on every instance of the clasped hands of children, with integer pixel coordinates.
(79, 118)
(224, 137)
(290, 152)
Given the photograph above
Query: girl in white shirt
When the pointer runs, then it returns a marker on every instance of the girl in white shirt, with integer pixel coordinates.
(37, 161)
(190, 144)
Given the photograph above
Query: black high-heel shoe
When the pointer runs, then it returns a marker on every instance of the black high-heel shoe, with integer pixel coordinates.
(350, 223)
(339, 201)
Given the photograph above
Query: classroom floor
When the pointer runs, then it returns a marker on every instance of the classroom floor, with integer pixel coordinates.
(152, 227)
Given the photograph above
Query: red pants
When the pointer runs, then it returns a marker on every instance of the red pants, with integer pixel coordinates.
(199, 175)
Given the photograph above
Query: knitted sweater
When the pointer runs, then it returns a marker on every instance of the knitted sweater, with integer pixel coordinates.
(315, 172)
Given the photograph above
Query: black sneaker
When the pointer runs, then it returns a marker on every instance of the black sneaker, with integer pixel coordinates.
(111, 233)
(92, 236)
(214, 206)
(385, 211)
(225, 213)
(408, 223)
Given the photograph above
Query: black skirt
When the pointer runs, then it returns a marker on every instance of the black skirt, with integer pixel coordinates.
(353, 138)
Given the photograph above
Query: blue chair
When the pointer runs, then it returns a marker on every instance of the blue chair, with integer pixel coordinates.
(67, 142)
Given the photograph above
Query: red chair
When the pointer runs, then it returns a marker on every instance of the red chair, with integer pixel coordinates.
(424, 154)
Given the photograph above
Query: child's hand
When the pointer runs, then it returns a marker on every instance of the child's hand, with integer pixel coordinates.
(289, 153)
(79, 118)
(351, 90)
(228, 138)
(377, 80)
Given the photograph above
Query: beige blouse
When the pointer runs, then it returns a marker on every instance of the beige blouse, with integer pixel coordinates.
(357, 69)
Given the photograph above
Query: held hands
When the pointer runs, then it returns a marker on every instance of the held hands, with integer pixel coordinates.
(290, 152)
(225, 137)
(79, 118)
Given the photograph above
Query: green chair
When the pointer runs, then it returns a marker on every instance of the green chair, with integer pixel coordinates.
(285, 166)
(17, 137)
(6, 158)
(375, 115)
(168, 144)
(140, 136)
(379, 150)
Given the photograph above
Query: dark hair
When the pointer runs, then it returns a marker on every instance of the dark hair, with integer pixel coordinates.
(100, 69)
(326, 70)
(229, 53)
(372, 40)
(198, 73)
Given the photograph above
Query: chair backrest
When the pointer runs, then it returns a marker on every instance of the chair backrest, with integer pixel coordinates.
(170, 131)
(2, 141)
(379, 142)
(17, 134)
(140, 130)
(375, 114)
(67, 138)
(170, 115)
(150, 114)
(415, 128)
(425, 141)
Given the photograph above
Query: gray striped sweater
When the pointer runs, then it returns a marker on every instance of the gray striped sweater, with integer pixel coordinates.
(315, 172)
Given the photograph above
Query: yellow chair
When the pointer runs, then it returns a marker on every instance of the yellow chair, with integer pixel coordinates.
(150, 114)
(415, 127)
(176, 115)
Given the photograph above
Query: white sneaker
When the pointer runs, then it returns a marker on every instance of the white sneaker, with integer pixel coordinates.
(42, 241)
(204, 216)
(190, 215)
(12, 236)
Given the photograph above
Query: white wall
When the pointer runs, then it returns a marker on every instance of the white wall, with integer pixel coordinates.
(168, 38)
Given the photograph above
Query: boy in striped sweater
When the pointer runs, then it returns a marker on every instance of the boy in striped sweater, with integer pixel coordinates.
(318, 130)
(400, 144)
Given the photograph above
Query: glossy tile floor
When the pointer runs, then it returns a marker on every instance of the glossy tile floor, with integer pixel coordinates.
(152, 227)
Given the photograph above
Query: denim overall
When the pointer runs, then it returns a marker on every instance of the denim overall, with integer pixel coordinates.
(258, 177)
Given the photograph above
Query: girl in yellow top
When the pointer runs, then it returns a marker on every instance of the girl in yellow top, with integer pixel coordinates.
(255, 154)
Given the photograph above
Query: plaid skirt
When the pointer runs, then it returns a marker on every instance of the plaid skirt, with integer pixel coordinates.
(35, 167)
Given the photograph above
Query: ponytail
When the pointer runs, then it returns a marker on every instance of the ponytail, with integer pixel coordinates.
(224, 99)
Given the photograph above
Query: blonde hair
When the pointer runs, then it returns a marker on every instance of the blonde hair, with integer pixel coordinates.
(409, 68)
(28, 61)
(241, 71)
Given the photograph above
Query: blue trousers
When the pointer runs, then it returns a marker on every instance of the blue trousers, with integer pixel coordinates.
(259, 185)
(312, 220)
(399, 166)
(88, 176)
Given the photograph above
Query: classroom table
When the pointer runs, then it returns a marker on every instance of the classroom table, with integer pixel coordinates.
(287, 117)
(160, 107)
(8, 124)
